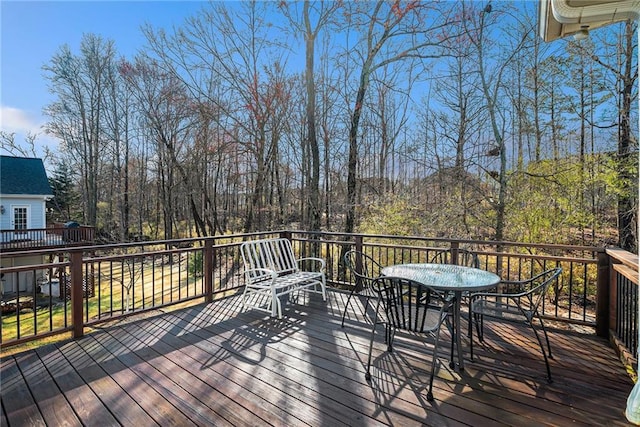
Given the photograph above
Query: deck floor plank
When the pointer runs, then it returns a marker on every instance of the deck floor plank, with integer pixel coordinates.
(123, 407)
(207, 389)
(216, 364)
(247, 400)
(317, 388)
(151, 401)
(18, 405)
(240, 346)
(185, 400)
(54, 407)
(86, 404)
(483, 410)
(335, 381)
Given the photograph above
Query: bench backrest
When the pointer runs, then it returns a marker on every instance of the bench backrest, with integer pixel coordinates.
(273, 254)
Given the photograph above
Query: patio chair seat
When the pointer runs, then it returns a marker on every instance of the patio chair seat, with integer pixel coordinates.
(411, 307)
(364, 270)
(520, 302)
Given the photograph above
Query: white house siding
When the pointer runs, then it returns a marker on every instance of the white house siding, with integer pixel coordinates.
(36, 219)
(35, 209)
(22, 281)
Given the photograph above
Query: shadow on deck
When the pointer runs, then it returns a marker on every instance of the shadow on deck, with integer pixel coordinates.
(213, 364)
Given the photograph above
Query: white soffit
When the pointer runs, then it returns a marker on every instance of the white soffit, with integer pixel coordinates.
(561, 18)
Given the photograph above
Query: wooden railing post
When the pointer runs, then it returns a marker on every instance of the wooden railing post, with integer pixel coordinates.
(286, 235)
(208, 269)
(603, 293)
(77, 294)
(358, 266)
(455, 251)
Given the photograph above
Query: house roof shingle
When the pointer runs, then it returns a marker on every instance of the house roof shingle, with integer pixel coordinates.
(23, 175)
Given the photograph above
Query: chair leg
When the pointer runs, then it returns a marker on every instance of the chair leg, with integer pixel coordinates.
(323, 285)
(346, 307)
(244, 298)
(470, 326)
(452, 364)
(276, 306)
(479, 320)
(544, 353)
(390, 334)
(546, 337)
(433, 366)
(367, 374)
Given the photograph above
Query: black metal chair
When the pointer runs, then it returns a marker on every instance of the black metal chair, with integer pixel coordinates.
(412, 307)
(465, 257)
(518, 302)
(365, 270)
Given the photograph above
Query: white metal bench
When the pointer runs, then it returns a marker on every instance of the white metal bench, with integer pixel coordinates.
(272, 270)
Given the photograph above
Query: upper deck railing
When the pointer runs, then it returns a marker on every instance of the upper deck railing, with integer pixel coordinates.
(42, 238)
(88, 285)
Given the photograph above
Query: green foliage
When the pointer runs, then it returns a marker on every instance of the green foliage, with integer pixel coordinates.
(65, 203)
(551, 200)
(196, 264)
(394, 215)
(615, 176)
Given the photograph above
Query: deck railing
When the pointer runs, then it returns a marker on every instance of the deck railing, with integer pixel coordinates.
(40, 238)
(81, 287)
(573, 300)
(623, 302)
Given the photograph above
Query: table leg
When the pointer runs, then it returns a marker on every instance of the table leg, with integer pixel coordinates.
(458, 336)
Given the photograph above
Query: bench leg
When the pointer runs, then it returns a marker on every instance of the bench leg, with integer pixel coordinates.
(244, 298)
(276, 308)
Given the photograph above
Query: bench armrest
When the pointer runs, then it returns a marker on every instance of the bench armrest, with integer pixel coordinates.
(251, 272)
(319, 260)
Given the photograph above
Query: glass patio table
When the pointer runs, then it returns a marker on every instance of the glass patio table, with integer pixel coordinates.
(447, 278)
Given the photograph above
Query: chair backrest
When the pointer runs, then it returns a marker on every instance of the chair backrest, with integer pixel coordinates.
(535, 288)
(271, 254)
(362, 265)
(411, 306)
(465, 257)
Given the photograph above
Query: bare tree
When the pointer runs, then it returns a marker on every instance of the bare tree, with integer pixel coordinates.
(26, 148)
(394, 32)
(80, 83)
(163, 107)
(625, 72)
(491, 74)
(117, 129)
(225, 50)
(315, 17)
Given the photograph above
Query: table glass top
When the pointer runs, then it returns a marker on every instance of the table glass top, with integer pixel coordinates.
(445, 276)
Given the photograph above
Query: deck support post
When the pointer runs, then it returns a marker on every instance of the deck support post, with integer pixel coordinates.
(76, 294)
(358, 266)
(208, 270)
(602, 292)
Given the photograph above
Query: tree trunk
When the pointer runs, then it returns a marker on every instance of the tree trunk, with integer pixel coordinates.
(627, 230)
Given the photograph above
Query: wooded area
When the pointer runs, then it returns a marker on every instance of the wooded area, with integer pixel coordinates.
(443, 119)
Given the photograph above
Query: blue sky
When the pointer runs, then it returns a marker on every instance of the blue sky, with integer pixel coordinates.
(31, 32)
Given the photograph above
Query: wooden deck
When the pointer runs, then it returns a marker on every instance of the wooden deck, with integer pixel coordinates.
(216, 365)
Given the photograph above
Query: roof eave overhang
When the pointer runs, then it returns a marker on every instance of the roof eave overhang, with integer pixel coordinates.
(563, 18)
(26, 196)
